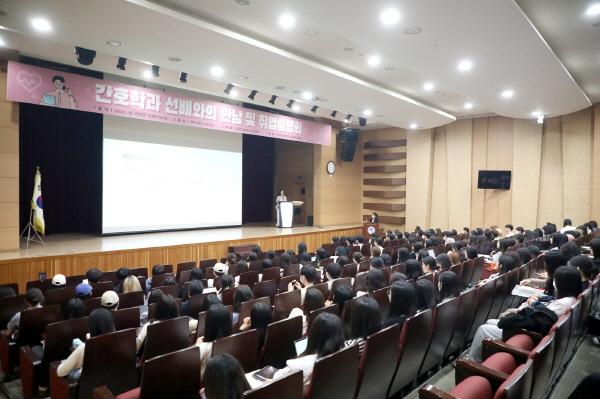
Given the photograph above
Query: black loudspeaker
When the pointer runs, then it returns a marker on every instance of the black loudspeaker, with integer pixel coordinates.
(347, 139)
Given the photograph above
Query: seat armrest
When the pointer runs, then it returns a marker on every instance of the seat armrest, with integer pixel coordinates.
(60, 387)
(431, 392)
(4, 353)
(30, 367)
(491, 346)
(102, 393)
(509, 333)
(466, 368)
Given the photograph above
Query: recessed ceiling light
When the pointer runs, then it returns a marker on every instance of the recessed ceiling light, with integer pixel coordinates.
(465, 65)
(507, 93)
(468, 105)
(41, 24)
(174, 59)
(413, 126)
(217, 70)
(311, 32)
(147, 74)
(114, 43)
(287, 21)
(389, 68)
(279, 87)
(593, 10)
(295, 108)
(307, 95)
(243, 2)
(535, 114)
(241, 77)
(348, 49)
(367, 112)
(413, 30)
(389, 16)
(374, 60)
(428, 86)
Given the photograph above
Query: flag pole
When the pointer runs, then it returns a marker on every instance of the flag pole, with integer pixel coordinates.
(35, 237)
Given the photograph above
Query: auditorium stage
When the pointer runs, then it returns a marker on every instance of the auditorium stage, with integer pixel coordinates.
(73, 254)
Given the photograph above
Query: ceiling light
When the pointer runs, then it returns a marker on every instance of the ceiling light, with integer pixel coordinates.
(314, 108)
(183, 77)
(243, 2)
(155, 71)
(228, 88)
(147, 74)
(241, 77)
(535, 114)
(593, 10)
(233, 92)
(290, 103)
(465, 65)
(348, 118)
(287, 21)
(374, 60)
(85, 56)
(311, 32)
(114, 43)
(367, 112)
(348, 49)
(507, 93)
(333, 114)
(413, 126)
(2, 42)
(428, 86)
(413, 30)
(273, 98)
(41, 24)
(389, 16)
(389, 68)
(362, 121)
(307, 95)
(540, 119)
(217, 70)
(252, 94)
(174, 59)
(295, 108)
(121, 63)
(468, 106)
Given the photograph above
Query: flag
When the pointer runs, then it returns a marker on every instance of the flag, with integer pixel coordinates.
(36, 204)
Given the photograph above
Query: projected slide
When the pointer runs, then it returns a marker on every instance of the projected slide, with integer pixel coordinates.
(163, 177)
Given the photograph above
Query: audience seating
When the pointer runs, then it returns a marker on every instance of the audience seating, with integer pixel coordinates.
(288, 387)
(467, 305)
(243, 346)
(324, 288)
(101, 287)
(285, 302)
(131, 299)
(249, 278)
(285, 280)
(247, 307)
(468, 268)
(182, 267)
(14, 286)
(172, 290)
(378, 363)
(126, 318)
(272, 273)
(485, 297)
(266, 288)
(166, 336)
(334, 308)
(59, 296)
(335, 375)
(109, 359)
(200, 327)
(227, 296)
(159, 279)
(291, 270)
(279, 342)
(9, 307)
(445, 315)
(91, 304)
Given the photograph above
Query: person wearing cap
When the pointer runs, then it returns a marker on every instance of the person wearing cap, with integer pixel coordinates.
(220, 269)
(59, 281)
(110, 300)
(83, 291)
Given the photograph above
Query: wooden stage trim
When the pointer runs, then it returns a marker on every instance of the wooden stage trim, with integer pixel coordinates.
(26, 269)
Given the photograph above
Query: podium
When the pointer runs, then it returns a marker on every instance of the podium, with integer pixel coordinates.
(369, 229)
(285, 212)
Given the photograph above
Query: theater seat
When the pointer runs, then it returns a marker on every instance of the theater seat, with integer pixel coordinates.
(475, 387)
(501, 361)
(521, 341)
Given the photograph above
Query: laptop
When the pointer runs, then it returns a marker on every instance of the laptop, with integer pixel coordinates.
(300, 345)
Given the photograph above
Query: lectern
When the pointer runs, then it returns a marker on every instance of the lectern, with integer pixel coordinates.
(369, 229)
(285, 213)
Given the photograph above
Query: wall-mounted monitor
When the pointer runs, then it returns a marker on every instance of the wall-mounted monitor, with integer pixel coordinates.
(494, 179)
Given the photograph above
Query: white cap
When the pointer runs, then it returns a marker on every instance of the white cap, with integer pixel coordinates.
(109, 299)
(59, 280)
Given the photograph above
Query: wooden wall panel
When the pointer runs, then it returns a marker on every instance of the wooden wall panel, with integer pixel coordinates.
(9, 168)
(459, 141)
(439, 182)
(596, 164)
(418, 177)
(23, 270)
(550, 201)
(577, 158)
(478, 162)
(527, 151)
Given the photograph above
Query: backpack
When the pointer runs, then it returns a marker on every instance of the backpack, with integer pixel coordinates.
(538, 319)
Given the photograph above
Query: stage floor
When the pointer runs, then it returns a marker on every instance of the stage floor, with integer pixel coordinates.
(70, 244)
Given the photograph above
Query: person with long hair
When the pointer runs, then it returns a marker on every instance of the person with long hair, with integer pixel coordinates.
(242, 294)
(425, 294)
(448, 285)
(365, 319)
(218, 325)
(403, 303)
(224, 378)
(260, 317)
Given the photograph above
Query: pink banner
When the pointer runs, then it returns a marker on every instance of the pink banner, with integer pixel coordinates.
(34, 85)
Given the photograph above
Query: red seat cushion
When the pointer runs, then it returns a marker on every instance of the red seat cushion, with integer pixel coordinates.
(132, 394)
(521, 341)
(501, 361)
(475, 387)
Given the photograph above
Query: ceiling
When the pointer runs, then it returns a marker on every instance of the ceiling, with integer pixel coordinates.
(326, 52)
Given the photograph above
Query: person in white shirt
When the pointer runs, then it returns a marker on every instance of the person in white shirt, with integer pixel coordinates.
(567, 226)
(280, 198)
(567, 286)
(100, 322)
(308, 274)
(509, 230)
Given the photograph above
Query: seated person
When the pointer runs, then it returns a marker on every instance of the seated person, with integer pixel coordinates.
(224, 378)
(218, 325)
(59, 281)
(156, 270)
(110, 300)
(122, 274)
(403, 303)
(365, 320)
(375, 281)
(131, 284)
(93, 276)
(242, 294)
(333, 271)
(260, 317)
(194, 288)
(308, 275)
(166, 309)
(426, 294)
(34, 299)
(314, 300)
(83, 291)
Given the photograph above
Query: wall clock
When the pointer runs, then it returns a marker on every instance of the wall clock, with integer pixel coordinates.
(330, 167)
